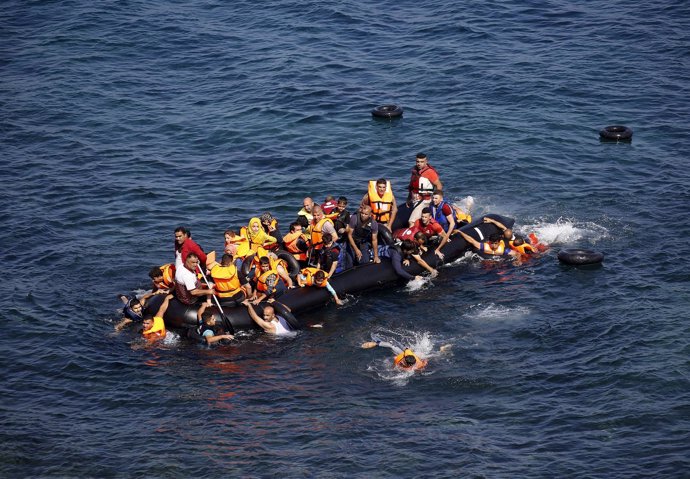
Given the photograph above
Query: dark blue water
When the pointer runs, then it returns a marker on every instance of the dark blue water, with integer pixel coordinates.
(123, 120)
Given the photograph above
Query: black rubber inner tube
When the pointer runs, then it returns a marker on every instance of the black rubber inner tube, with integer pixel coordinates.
(616, 133)
(580, 256)
(387, 111)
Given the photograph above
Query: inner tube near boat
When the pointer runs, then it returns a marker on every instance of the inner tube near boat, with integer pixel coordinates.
(577, 256)
(616, 133)
(387, 111)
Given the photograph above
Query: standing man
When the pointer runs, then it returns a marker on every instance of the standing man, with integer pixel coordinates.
(382, 202)
(184, 245)
(187, 284)
(423, 181)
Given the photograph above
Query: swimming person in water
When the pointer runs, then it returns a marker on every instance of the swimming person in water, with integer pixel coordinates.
(404, 359)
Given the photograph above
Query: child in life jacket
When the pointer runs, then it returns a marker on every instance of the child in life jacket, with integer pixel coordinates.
(317, 277)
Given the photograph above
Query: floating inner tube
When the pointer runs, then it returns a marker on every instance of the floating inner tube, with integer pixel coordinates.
(616, 133)
(387, 111)
(580, 256)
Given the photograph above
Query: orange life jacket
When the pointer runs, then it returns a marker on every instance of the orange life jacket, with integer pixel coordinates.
(309, 274)
(266, 282)
(400, 360)
(290, 240)
(381, 207)
(168, 271)
(317, 233)
(461, 216)
(226, 279)
(524, 249)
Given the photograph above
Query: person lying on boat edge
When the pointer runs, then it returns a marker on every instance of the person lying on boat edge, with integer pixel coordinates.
(318, 278)
(162, 278)
(495, 246)
(427, 225)
(209, 331)
(269, 321)
(400, 256)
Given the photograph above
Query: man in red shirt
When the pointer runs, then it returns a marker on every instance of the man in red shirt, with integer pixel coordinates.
(423, 181)
(184, 244)
(429, 227)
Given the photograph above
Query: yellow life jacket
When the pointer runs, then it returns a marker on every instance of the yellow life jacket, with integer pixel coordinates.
(381, 207)
(400, 360)
(157, 331)
(461, 216)
(226, 279)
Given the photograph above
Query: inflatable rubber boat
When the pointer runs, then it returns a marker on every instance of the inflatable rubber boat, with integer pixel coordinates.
(355, 280)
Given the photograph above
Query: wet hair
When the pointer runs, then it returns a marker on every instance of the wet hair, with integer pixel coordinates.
(327, 238)
(408, 246)
(206, 316)
(426, 209)
(265, 260)
(155, 272)
(409, 360)
(128, 310)
(419, 235)
(495, 237)
(518, 241)
(320, 275)
(342, 199)
(182, 229)
(226, 260)
(421, 155)
(294, 225)
(381, 181)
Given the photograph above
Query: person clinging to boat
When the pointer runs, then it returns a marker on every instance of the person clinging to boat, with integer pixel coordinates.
(317, 278)
(154, 326)
(209, 331)
(268, 321)
(495, 246)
